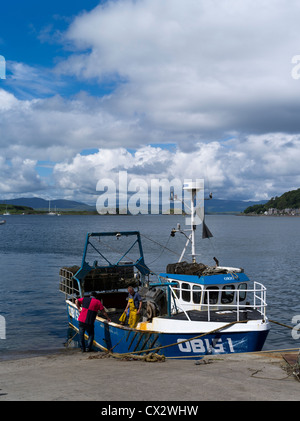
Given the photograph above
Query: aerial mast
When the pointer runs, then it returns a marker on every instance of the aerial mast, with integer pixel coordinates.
(197, 215)
(193, 188)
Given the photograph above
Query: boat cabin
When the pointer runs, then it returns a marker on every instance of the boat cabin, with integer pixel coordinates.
(213, 291)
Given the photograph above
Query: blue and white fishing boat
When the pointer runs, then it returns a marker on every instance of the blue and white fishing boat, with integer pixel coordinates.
(189, 311)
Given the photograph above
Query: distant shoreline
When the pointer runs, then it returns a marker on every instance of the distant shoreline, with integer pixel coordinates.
(89, 213)
(269, 216)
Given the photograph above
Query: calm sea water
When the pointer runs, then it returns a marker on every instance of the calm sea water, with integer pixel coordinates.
(33, 248)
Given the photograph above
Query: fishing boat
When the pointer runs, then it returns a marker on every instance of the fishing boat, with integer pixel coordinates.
(190, 310)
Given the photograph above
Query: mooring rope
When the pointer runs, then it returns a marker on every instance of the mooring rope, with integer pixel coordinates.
(281, 324)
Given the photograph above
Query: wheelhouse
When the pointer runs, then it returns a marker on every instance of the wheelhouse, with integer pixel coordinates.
(217, 291)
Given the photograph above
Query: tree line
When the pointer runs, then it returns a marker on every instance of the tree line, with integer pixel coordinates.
(288, 200)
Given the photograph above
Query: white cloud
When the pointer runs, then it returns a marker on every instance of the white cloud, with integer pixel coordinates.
(7, 101)
(193, 68)
(211, 77)
(30, 82)
(233, 169)
(52, 128)
(17, 176)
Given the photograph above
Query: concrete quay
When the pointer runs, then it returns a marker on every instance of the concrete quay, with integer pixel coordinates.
(70, 375)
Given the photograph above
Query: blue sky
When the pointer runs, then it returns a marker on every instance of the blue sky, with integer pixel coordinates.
(30, 34)
(27, 25)
(172, 89)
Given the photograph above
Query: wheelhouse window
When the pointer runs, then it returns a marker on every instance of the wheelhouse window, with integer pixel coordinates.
(227, 294)
(242, 292)
(213, 295)
(197, 294)
(186, 292)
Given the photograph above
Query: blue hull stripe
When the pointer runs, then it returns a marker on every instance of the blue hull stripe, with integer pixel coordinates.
(121, 339)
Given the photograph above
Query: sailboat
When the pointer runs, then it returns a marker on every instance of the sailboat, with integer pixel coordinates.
(50, 213)
(6, 213)
(189, 311)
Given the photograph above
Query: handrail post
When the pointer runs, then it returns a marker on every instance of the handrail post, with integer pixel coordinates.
(176, 299)
(238, 305)
(208, 306)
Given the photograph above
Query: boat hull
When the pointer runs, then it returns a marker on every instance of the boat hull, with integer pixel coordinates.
(122, 339)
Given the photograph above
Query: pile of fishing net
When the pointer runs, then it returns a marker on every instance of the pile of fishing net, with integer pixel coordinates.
(198, 269)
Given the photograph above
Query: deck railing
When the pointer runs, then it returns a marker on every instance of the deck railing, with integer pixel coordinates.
(258, 301)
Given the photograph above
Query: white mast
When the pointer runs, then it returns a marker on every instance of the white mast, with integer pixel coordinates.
(196, 216)
(193, 188)
(193, 226)
(50, 213)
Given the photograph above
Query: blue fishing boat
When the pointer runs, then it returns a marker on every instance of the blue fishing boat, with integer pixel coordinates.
(189, 311)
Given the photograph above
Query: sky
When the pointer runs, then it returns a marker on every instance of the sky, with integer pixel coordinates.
(161, 89)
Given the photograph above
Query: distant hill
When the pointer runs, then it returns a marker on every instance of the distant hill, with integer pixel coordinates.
(38, 204)
(41, 204)
(288, 200)
(228, 206)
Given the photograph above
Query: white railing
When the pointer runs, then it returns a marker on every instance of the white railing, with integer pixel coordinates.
(262, 298)
(258, 294)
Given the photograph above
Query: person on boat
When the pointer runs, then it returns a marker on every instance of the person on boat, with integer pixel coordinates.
(134, 305)
(88, 307)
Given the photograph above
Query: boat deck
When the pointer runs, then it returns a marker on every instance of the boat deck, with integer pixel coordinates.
(223, 316)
